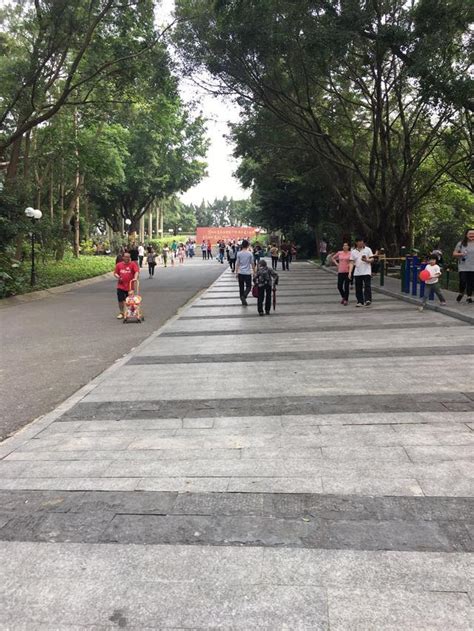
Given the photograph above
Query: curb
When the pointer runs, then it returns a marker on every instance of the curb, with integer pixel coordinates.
(393, 294)
(11, 301)
(36, 426)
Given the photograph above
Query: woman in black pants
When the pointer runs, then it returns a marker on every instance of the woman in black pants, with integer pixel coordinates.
(341, 259)
(464, 253)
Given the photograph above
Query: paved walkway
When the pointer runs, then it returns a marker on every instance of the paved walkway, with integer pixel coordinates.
(309, 470)
(57, 343)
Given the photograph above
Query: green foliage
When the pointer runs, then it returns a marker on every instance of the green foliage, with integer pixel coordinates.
(348, 100)
(15, 277)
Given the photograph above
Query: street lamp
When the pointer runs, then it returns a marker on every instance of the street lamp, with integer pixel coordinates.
(35, 215)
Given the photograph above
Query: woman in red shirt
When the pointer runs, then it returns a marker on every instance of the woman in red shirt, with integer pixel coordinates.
(341, 259)
(125, 272)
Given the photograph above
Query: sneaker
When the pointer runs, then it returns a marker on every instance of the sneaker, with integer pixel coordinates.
(469, 301)
(421, 308)
(267, 312)
(342, 301)
(260, 313)
(345, 303)
(244, 302)
(120, 316)
(368, 303)
(459, 297)
(359, 304)
(442, 304)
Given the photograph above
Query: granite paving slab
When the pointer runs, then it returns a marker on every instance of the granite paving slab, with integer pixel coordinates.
(308, 470)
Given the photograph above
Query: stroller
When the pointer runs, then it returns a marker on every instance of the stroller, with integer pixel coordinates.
(133, 309)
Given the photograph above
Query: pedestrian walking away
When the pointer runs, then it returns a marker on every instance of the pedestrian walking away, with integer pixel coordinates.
(432, 284)
(204, 250)
(141, 254)
(151, 260)
(323, 251)
(165, 254)
(264, 279)
(181, 253)
(134, 253)
(285, 256)
(244, 269)
(125, 272)
(274, 253)
(464, 253)
(360, 267)
(342, 260)
(221, 252)
(231, 256)
(209, 250)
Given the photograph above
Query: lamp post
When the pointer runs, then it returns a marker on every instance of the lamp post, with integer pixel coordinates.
(35, 215)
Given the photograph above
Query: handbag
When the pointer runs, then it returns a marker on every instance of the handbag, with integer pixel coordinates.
(255, 291)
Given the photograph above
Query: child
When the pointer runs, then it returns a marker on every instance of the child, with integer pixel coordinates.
(432, 283)
(263, 279)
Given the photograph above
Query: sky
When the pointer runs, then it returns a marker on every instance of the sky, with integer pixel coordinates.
(219, 113)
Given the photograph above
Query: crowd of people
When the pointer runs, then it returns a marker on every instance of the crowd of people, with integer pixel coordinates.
(356, 265)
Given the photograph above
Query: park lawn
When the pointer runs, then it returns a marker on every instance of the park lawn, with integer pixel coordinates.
(54, 273)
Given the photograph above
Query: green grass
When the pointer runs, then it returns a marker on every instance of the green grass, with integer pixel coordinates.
(54, 273)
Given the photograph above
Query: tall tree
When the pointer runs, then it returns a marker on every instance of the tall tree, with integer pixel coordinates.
(353, 82)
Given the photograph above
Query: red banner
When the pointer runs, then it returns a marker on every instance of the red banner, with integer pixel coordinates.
(228, 234)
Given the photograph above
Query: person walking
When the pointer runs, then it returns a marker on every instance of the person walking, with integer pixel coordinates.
(141, 254)
(464, 253)
(244, 268)
(174, 248)
(257, 253)
(360, 266)
(151, 260)
(231, 256)
(274, 252)
(134, 252)
(165, 254)
(285, 256)
(181, 253)
(342, 260)
(204, 250)
(209, 250)
(264, 279)
(432, 283)
(323, 251)
(221, 251)
(125, 272)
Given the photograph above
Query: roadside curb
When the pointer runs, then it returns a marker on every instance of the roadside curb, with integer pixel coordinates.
(35, 427)
(464, 317)
(51, 291)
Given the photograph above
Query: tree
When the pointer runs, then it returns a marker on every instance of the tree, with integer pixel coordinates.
(56, 53)
(353, 82)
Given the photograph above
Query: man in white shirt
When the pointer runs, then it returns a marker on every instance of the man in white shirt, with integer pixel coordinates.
(141, 254)
(244, 269)
(360, 268)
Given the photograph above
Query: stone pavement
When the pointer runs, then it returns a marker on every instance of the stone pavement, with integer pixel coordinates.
(307, 470)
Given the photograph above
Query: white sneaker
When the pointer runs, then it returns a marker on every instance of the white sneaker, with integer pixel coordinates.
(359, 304)
(421, 308)
(368, 303)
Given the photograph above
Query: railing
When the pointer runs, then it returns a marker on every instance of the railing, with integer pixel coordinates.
(410, 268)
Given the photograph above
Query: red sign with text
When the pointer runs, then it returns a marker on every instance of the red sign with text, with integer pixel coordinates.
(228, 234)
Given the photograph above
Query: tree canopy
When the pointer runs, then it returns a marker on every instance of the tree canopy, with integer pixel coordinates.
(372, 99)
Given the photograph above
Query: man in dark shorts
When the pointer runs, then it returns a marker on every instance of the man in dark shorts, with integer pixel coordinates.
(125, 272)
